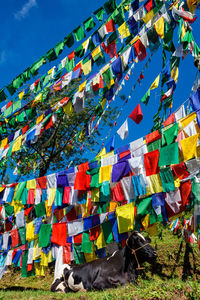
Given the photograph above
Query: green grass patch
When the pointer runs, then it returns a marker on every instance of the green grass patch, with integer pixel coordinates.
(175, 275)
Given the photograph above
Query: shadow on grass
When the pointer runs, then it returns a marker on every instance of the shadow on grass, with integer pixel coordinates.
(21, 288)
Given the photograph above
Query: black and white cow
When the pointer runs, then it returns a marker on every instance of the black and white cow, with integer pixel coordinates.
(117, 269)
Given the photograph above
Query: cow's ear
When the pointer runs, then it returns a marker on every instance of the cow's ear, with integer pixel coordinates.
(148, 240)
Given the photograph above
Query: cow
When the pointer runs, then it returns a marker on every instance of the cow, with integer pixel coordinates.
(108, 272)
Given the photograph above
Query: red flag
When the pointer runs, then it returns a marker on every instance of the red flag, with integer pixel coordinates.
(9, 104)
(110, 26)
(170, 120)
(167, 94)
(36, 82)
(140, 50)
(136, 114)
(141, 76)
(110, 49)
(71, 55)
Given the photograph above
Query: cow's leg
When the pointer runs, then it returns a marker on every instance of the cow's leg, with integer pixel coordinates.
(75, 287)
(102, 283)
(118, 280)
(131, 277)
(59, 286)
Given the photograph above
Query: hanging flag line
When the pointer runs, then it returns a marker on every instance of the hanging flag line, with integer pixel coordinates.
(135, 147)
(135, 13)
(115, 57)
(63, 62)
(134, 85)
(161, 16)
(54, 52)
(153, 86)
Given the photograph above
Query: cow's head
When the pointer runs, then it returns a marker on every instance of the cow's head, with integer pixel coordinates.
(138, 246)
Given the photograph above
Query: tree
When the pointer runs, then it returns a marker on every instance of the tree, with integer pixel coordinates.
(62, 143)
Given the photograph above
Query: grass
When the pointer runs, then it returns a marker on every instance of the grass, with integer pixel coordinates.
(175, 275)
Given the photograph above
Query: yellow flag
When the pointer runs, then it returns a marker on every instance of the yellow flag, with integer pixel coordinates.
(102, 152)
(51, 196)
(90, 256)
(125, 217)
(155, 83)
(96, 52)
(38, 97)
(1, 189)
(51, 70)
(87, 67)
(191, 5)
(17, 144)
(123, 30)
(68, 108)
(39, 119)
(100, 242)
(148, 16)
(183, 32)
(159, 27)
(82, 86)
(21, 95)
(4, 142)
(188, 119)
(105, 173)
(85, 44)
(30, 230)
(103, 102)
(95, 194)
(188, 146)
(155, 184)
(111, 153)
(175, 73)
(31, 184)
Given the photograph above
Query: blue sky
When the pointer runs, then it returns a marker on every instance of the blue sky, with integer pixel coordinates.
(31, 27)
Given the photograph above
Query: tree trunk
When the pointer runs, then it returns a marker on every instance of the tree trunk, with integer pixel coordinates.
(43, 170)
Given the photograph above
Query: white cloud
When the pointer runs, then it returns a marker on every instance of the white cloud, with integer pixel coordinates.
(21, 14)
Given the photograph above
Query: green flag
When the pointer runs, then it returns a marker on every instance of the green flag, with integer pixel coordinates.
(107, 232)
(26, 75)
(167, 179)
(143, 207)
(51, 55)
(79, 33)
(86, 245)
(99, 13)
(171, 134)
(79, 52)
(34, 68)
(16, 105)
(20, 189)
(17, 82)
(59, 48)
(169, 155)
(110, 6)
(2, 95)
(145, 98)
(11, 89)
(89, 24)
(40, 210)
(69, 40)
(44, 235)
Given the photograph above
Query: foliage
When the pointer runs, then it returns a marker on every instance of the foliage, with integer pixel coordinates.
(57, 146)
